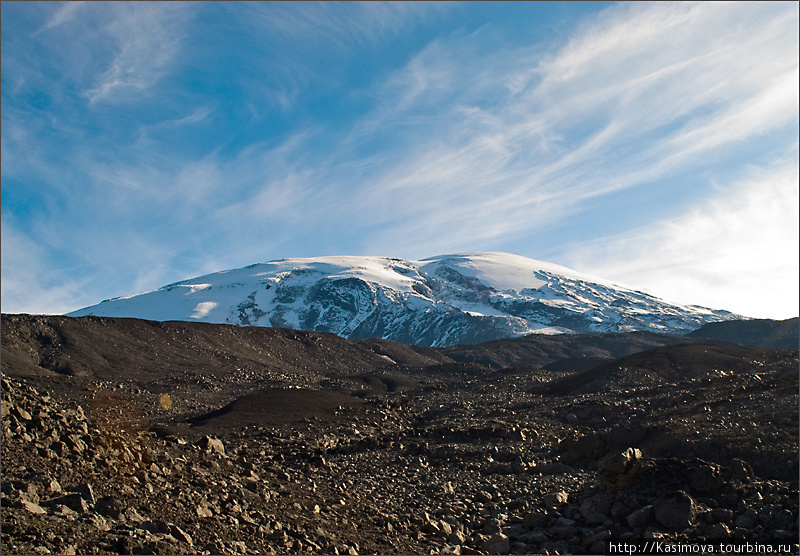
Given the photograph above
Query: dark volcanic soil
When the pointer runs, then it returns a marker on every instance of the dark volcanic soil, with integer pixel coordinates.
(128, 436)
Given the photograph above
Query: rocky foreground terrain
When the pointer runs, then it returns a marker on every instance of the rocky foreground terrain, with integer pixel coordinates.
(124, 436)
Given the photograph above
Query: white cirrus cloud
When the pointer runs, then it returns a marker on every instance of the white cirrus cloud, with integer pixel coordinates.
(30, 284)
(146, 38)
(213, 134)
(737, 250)
(643, 94)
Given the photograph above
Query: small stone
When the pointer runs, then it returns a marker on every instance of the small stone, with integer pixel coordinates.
(212, 445)
(598, 537)
(431, 528)
(20, 413)
(156, 527)
(457, 538)
(595, 518)
(719, 532)
(706, 477)
(746, 521)
(775, 517)
(131, 515)
(617, 471)
(535, 520)
(446, 528)
(555, 499)
(86, 491)
(483, 497)
(108, 506)
(32, 507)
(75, 442)
(676, 510)
(180, 535)
(29, 493)
(722, 515)
(497, 544)
(491, 527)
(740, 470)
(563, 532)
(53, 486)
(614, 464)
(99, 522)
(641, 517)
(73, 501)
(64, 511)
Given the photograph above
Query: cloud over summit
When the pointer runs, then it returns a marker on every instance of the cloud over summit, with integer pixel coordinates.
(197, 135)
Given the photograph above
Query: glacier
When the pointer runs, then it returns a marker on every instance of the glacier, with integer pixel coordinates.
(439, 301)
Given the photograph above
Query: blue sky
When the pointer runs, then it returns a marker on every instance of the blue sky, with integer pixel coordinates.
(652, 144)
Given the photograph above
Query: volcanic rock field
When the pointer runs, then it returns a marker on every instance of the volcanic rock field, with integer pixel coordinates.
(126, 436)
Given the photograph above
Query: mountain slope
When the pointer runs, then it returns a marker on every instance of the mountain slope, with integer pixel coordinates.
(562, 352)
(200, 365)
(445, 300)
(780, 334)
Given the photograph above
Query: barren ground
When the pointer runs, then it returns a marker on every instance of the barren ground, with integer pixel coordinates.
(127, 436)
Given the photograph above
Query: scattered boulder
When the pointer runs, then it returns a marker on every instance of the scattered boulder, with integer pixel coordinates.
(31, 507)
(498, 543)
(555, 499)
(747, 520)
(740, 470)
(108, 506)
(676, 510)
(20, 413)
(535, 520)
(73, 501)
(707, 477)
(718, 532)
(86, 492)
(641, 518)
(212, 445)
(483, 497)
(618, 470)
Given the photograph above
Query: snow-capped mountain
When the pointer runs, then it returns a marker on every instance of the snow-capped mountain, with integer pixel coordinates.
(445, 300)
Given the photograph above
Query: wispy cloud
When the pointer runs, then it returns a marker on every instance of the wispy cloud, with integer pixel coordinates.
(209, 134)
(147, 38)
(475, 162)
(737, 250)
(30, 284)
(66, 12)
(336, 23)
(638, 97)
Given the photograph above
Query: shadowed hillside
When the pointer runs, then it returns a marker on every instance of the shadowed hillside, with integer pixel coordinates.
(542, 350)
(779, 334)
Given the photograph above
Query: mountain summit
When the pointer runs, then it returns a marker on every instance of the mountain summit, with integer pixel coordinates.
(444, 300)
